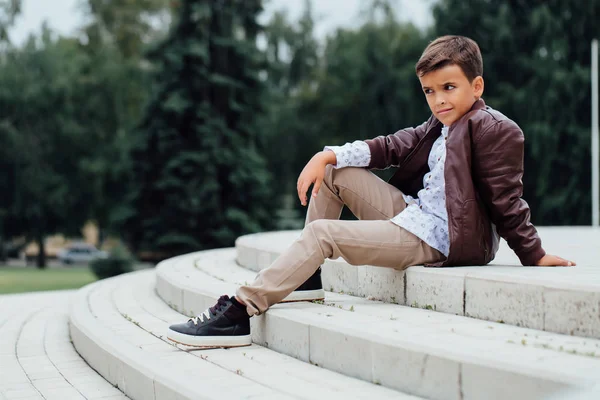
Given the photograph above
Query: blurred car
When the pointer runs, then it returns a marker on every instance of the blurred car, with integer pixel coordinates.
(80, 253)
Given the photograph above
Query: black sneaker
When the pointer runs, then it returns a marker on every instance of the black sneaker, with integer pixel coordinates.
(310, 290)
(225, 324)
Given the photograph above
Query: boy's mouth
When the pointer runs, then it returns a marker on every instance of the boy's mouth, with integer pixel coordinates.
(444, 111)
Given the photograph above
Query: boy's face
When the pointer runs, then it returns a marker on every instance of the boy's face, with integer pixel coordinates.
(449, 93)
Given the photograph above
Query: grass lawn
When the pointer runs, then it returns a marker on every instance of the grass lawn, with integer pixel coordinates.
(31, 279)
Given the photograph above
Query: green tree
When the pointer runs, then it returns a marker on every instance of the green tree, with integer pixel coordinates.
(366, 86)
(129, 25)
(293, 59)
(8, 163)
(116, 89)
(44, 191)
(9, 9)
(537, 68)
(201, 182)
(369, 86)
(117, 80)
(360, 84)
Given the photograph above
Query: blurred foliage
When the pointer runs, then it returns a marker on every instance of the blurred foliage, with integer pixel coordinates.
(128, 25)
(120, 261)
(66, 107)
(43, 138)
(9, 9)
(199, 180)
(179, 125)
(360, 85)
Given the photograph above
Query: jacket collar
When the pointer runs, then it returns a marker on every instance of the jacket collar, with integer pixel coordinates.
(478, 105)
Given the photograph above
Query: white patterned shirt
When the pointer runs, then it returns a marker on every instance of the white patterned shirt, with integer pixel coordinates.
(426, 216)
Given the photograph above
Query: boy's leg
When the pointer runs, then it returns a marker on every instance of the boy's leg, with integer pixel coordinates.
(363, 192)
(375, 242)
(379, 243)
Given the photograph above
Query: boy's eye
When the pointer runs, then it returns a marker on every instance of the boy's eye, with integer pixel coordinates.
(428, 91)
(449, 87)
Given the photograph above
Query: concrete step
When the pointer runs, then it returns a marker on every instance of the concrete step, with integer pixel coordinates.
(119, 325)
(562, 300)
(37, 358)
(434, 355)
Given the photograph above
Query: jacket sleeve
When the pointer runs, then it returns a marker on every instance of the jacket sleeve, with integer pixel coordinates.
(498, 172)
(391, 150)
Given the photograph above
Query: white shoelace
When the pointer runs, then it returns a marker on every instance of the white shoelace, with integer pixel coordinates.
(205, 316)
(202, 317)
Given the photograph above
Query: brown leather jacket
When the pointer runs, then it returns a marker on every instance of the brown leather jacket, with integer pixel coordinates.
(483, 171)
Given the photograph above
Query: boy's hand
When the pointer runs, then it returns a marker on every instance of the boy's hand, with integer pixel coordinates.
(553, 261)
(314, 172)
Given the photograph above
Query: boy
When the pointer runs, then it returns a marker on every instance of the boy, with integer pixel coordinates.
(457, 187)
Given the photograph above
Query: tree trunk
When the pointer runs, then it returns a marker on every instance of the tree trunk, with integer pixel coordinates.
(2, 252)
(101, 237)
(3, 257)
(41, 257)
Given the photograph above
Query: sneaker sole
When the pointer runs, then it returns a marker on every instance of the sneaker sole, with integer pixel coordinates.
(209, 342)
(305, 295)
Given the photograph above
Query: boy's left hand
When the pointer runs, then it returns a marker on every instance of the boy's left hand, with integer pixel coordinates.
(554, 261)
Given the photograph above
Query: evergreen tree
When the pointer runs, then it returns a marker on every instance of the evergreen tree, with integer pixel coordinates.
(200, 179)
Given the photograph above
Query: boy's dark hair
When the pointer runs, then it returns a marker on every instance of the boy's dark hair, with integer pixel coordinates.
(452, 50)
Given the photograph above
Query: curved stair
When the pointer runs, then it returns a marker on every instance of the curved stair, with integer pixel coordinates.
(422, 352)
(119, 325)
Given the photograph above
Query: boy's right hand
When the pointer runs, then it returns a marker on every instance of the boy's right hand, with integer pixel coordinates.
(314, 173)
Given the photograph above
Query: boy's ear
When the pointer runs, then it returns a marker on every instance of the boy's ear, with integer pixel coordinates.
(477, 86)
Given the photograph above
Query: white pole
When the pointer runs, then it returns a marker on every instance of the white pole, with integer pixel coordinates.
(595, 158)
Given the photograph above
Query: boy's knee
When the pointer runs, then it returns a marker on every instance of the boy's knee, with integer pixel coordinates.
(318, 233)
(344, 175)
(317, 227)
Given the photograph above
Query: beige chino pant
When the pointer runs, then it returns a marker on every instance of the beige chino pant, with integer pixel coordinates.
(373, 240)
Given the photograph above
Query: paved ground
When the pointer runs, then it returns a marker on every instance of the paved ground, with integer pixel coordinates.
(37, 358)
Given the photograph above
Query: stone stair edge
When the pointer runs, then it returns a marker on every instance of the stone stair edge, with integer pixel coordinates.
(174, 275)
(562, 300)
(194, 263)
(116, 360)
(172, 386)
(328, 383)
(261, 244)
(546, 307)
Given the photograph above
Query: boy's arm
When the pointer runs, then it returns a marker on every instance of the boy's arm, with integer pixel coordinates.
(391, 150)
(355, 154)
(497, 172)
(380, 153)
